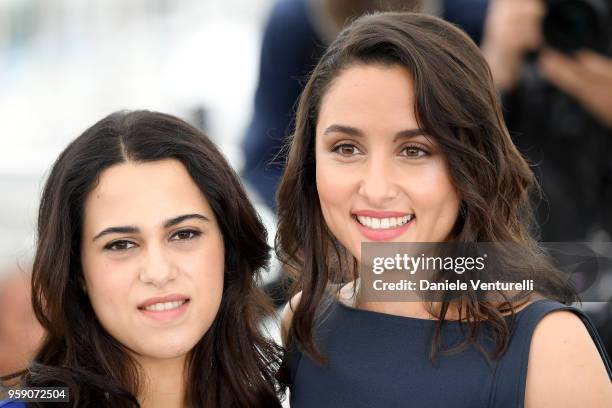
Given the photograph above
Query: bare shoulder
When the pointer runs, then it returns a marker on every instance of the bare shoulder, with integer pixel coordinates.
(565, 368)
(287, 315)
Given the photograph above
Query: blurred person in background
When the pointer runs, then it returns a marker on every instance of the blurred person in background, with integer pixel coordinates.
(551, 62)
(20, 332)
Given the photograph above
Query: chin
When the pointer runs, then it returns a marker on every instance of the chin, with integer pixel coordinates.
(168, 349)
(166, 353)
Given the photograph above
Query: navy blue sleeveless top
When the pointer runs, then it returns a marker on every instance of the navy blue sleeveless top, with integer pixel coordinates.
(381, 360)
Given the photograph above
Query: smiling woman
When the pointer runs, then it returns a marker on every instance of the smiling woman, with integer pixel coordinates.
(399, 137)
(364, 170)
(145, 274)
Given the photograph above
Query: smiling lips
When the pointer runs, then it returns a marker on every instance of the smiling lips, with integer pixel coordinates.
(382, 225)
(164, 308)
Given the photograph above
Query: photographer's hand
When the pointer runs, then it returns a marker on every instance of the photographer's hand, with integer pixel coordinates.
(512, 28)
(587, 77)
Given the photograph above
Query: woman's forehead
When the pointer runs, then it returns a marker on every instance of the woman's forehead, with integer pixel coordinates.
(145, 192)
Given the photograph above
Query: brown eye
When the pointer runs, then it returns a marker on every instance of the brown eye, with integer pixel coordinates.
(346, 150)
(413, 151)
(120, 245)
(185, 235)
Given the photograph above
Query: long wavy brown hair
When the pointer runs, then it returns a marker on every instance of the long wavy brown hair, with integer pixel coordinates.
(457, 105)
(233, 365)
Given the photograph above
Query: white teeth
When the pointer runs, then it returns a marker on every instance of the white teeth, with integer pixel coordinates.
(160, 307)
(384, 223)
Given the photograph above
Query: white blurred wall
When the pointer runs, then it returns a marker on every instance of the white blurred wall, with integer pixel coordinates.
(64, 64)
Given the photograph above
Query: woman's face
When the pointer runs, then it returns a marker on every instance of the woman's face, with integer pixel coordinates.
(378, 176)
(153, 258)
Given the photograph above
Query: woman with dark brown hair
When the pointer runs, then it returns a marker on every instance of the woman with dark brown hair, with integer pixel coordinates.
(400, 138)
(146, 270)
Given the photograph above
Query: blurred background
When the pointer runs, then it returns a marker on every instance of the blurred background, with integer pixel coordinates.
(235, 69)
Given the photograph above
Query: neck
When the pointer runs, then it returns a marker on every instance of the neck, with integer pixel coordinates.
(164, 382)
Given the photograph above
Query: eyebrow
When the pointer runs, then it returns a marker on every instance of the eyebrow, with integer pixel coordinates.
(352, 131)
(127, 229)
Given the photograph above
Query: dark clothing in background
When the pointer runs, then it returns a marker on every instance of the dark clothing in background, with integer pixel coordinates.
(571, 155)
(290, 50)
(469, 15)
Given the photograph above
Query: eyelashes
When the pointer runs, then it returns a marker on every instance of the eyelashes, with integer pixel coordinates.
(348, 150)
(184, 235)
(415, 151)
(120, 245)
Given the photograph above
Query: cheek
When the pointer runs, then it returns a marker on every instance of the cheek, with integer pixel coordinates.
(107, 284)
(205, 269)
(334, 189)
(108, 287)
(434, 188)
(435, 197)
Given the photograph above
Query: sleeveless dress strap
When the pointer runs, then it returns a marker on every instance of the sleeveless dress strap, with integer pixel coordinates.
(511, 371)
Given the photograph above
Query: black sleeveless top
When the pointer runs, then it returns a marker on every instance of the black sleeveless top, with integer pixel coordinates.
(381, 360)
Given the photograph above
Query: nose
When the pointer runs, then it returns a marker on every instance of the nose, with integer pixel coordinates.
(158, 269)
(378, 181)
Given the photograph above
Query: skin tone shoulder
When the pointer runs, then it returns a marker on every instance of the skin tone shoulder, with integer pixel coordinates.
(153, 264)
(380, 178)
